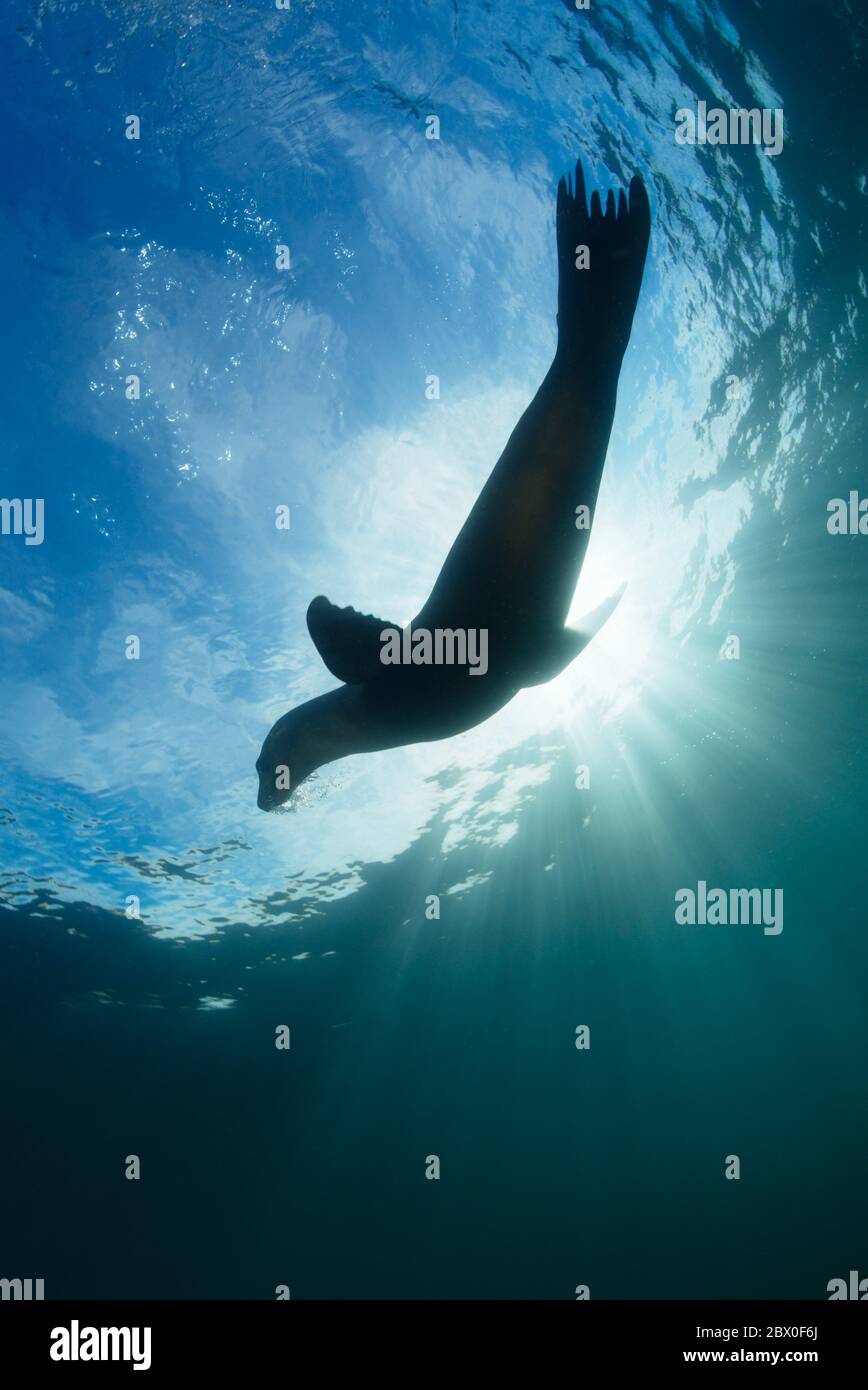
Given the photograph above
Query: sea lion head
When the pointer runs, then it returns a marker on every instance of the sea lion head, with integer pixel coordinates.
(286, 759)
(307, 737)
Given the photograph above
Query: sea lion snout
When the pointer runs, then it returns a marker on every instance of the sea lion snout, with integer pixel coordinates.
(283, 762)
(266, 799)
(272, 780)
(274, 786)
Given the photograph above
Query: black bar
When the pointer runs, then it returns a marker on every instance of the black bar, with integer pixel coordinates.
(416, 1337)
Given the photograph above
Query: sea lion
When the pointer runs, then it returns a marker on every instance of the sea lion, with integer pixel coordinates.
(513, 568)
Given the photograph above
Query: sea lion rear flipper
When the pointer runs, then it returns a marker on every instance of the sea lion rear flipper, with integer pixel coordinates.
(348, 642)
(565, 643)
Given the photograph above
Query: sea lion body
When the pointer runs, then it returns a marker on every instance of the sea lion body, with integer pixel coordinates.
(512, 570)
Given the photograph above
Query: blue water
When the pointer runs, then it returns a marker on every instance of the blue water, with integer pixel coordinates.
(128, 785)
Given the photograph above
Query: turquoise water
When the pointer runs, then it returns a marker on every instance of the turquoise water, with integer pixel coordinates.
(128, 785)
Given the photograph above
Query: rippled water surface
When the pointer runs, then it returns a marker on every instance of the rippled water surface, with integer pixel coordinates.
(741, 414)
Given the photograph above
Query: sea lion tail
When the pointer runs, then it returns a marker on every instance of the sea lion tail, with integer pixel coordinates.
(601, 256)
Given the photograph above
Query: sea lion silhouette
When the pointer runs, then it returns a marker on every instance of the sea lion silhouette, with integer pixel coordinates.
(513, 568)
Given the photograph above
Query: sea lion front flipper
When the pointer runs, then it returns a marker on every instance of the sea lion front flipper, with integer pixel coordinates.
(563, 645)
(348, 642)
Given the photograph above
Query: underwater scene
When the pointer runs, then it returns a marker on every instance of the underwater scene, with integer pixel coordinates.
(342, 966)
